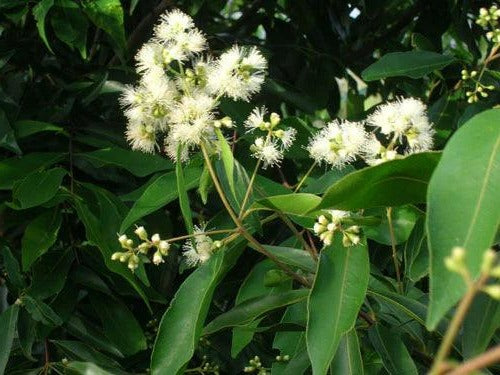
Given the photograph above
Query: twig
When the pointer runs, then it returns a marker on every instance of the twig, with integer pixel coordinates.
(486, 359)
(393, 246)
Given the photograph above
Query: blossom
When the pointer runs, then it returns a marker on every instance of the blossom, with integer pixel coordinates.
(172, 24)
(256, 119)
(286, 137)
(149, 56)
(338, 143)
(333, 221)
(266, 151)
(199, 249)
(238, 73)
(141, 137)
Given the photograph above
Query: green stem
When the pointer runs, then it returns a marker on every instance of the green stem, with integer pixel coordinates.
(305, 177)
(393, 246)
(456, 322)
(249, 189)
(209, 233)
(244, 232)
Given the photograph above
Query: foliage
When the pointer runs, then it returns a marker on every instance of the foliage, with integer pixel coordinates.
(289, 284)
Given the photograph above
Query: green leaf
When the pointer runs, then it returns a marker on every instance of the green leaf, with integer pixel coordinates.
(77, 350)
(416, 253)
(205, 184)
(162, 191)
(39, 236)
(393, 183)
(137, 163)
(40, 12)
(8, 321)
(320, 185)
(392, 350)
(26, 128)
(403, 221)
(12, 267)
(292, 343)
(413, 64)
(26, 331)
(101, 212)
(183, 322)
(297, 204)
(336, 297)
(251, 309)
(182, 192)
(294, 257)
(348, 359)
(40, 311)
(16, 168)
(253, 286)
(86, 368)
(227, 160)
(37, 188)
(462, 208)
(119, 324)
(7, 137)
(107, 15)
(70, 25)
(50, 274)
(480, 324)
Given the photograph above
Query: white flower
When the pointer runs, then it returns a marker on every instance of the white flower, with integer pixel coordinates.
(199, 249)
(338, 215)
(172, 24)
(150, 56)
(238, 74)
(141, 137)
(286, 137)
(171, 147)
(338, 143)
(266, 151)
(405, 118)
(256, 119)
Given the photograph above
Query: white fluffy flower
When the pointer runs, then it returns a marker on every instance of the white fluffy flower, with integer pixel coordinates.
(405, 118)
(171, 147)
(256, 118)
(172, 24)
(238, 74)
(150, 56)
(141, 137)
(266, 151)
(338, 143)
(199, 249)
(287, 137)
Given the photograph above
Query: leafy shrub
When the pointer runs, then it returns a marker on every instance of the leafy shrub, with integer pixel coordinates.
(249, 187)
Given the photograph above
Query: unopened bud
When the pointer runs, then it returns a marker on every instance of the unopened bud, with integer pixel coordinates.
(144, 247)
(489, 258)
(279, 133)
(116, 256)
(473, 73)
(123, 240)
(157, 258)
(493, 291)
(318, 228)
(323, 220)
(227, 122)
(275, 119)
(286, 358)
(141, 233)
(155, 239)
(217, 244)
(164, 247)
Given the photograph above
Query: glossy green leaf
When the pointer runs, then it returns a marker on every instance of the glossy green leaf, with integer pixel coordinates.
(39, 236)
(403, 221)
(12, 268)
(70, 25)
(182, 192)
(183, 322)
(416, 253)
(336, 297)
(393, 183)
(320, 185)
(16, 168)
(299, 205)
(8, 321)
(50, 274)
(86, 368)
(76, 350)
(205, 184)
(252, 287)
(463, 209)
(392, 350)
(162, 191)
(7, 136)
(119, 324)
(37, 188)
(26, 128)
(26, 332)
(413, 64)
(107, 15)
(40, 12)
(227, 159)
(40, 311)
(480, 324)
(294, 257)
(251, 309)
(137, 163)
(348, 359)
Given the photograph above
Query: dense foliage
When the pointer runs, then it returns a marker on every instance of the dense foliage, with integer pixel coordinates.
(230, 250)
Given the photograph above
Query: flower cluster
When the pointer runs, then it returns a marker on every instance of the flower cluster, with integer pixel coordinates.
(269, 147)
(488, 20)
(200, 248)
(335, 221)
(179, 89)
(403, 125)
(489, 268)
(255, 366)
(478, 90)
(131, 255)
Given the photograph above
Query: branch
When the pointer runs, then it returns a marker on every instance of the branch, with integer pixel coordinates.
(486, 359)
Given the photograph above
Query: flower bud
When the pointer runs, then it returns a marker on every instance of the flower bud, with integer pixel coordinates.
(123, 241)
(327, 240)
(164, 247)
(489, 258)
(124, 257)
(323, 220)
(141, 233)
(286, 358)
(144, 247)
(473, 73)
(217, 244)
(116, 256)
(279, 133)
(155, 239)
(318, 228)
(493, 291)
(227, 122)
(275, 119)
(495, 272)
(217, 124)
(157, 258)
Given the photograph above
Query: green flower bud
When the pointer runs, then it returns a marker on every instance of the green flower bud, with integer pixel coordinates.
(275, 119)
(493, 291)
(489, 258)
(164, 247)
(141, 233)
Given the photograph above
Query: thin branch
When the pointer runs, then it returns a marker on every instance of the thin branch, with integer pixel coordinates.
(486, 359)
(393, 246)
